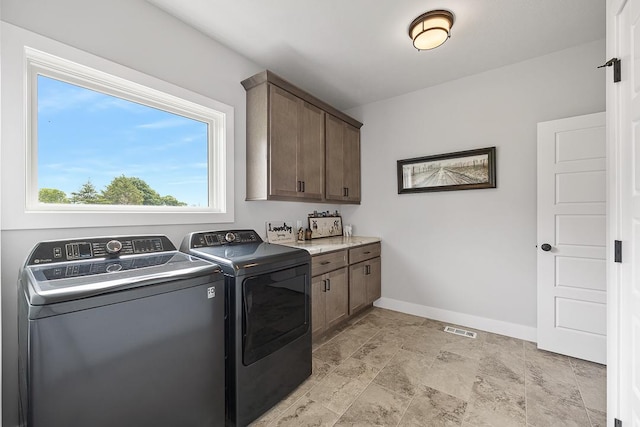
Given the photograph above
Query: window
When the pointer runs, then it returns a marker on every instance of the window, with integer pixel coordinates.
(106, 145)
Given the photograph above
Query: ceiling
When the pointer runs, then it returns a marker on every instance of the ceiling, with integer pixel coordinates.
(354, 52)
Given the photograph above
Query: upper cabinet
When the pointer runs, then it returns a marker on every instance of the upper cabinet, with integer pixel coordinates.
(298, 147)
(343, 161)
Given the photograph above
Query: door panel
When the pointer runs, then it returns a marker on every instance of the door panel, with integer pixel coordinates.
(581, 187)
(357, 287)
(311, 152)
(581, 230)
(585, 273)
(284, 125)
(374, 280)
(352, 162)
(572, 220)
(334, 158)
(318, 323)
(337, 296)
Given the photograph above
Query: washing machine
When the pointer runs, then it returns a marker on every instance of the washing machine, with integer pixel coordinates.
(267, 290)
(120, 331)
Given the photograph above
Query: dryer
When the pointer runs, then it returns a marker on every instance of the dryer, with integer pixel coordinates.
(267, 289)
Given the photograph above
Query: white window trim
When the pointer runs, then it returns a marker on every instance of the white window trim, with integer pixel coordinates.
(29, 54)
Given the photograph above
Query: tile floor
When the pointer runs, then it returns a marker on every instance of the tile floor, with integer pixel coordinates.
(386, 368)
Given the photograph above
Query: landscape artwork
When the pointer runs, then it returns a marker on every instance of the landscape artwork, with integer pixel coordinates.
(463, 170)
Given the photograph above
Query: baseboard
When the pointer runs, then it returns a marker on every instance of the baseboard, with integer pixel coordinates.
(514, 330)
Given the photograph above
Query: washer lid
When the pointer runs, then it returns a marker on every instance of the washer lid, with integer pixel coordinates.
(47, 282)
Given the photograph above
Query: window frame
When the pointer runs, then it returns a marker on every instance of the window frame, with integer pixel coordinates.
(68, 64)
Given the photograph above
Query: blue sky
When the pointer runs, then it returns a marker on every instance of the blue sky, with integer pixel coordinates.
(86, 135)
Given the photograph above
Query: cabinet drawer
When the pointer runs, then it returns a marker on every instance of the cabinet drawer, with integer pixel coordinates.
(323, 263)
(365, 252)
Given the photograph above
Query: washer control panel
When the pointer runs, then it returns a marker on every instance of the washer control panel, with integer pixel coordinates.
(100, 247)
(220, 238)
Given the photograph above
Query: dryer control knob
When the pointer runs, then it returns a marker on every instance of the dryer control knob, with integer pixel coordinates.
(113, 246)
(230, 237)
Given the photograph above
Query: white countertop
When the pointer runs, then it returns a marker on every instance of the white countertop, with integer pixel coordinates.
(328, 244)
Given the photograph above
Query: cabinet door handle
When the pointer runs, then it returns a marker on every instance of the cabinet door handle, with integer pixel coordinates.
(303, 186)
(324, 282)
(329, 283)
(367, 269)
(299, 186)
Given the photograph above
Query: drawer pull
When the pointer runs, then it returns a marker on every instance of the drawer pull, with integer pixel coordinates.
(367, 252)
(325, 262)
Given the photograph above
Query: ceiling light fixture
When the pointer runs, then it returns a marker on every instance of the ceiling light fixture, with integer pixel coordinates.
(431, 29)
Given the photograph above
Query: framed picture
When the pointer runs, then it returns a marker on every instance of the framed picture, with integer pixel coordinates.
(325, 226)
(463, 170)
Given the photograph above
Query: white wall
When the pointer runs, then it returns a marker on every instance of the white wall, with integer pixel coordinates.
(135, 34)
(469, 256)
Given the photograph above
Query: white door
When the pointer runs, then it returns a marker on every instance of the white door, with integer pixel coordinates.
(623, 119)
(572, 310)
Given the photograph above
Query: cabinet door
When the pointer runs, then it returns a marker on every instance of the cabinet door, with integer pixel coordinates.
(318, 292)
(334, 137)
(351, 166)
(357, 287)
(374, 279)
(343, 160)
(310, 159)
(284, 129)
(337, 296)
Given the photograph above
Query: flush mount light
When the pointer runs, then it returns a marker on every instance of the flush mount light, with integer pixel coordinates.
(431, 29)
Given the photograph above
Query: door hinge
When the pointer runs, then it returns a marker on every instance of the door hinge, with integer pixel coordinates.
(617, 251)
(616, 68)
(617, 423)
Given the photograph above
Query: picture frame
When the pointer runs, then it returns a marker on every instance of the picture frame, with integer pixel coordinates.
(329, 226)
(461, 170)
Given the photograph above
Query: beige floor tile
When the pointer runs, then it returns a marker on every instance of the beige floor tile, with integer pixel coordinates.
(549, 366)
(504, 343)
(405, 373)
(307, 413)
(340, 388)
(427, 341)
(491, 405)
(340, 348)
(468, 347)
(320, 369)
(554, 414)
(452, 374)
(376, 406)
(380, 349)
(592, 382)
(505, 368)
(337, 392)
(434, 409)
(597, 418)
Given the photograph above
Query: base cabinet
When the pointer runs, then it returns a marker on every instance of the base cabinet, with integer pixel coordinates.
(343, 283)
(365, 284)
(329, 291)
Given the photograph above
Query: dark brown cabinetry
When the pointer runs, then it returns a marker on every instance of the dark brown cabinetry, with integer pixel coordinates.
(297, 145)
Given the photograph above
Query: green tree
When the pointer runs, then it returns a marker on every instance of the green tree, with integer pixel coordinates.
(122, 191)
(172, 201)
(52, 195)
(150, 196)
(87, 194)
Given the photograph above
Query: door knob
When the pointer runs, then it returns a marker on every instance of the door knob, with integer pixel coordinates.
(545, 247)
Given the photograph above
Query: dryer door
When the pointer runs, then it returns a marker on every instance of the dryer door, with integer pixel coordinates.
(275, 311)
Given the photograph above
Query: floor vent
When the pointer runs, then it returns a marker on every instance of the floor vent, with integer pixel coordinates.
(461, 332)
